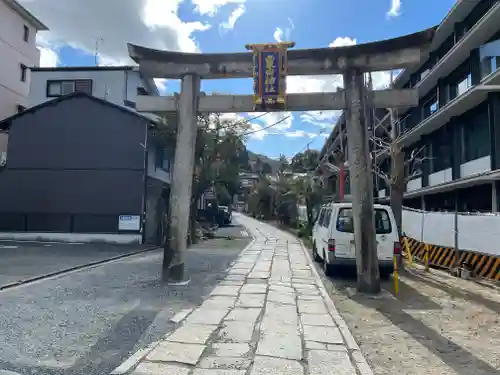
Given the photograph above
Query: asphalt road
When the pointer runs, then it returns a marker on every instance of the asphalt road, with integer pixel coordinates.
(23, 260)
(90, 321)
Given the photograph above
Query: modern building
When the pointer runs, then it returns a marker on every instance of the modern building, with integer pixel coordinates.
(18, 52)
(81, 168)
(117, 84)
(456, 124)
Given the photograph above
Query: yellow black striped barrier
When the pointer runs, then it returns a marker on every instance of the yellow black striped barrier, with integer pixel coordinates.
(483, 265)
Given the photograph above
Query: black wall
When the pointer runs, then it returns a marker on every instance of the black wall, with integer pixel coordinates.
(73, 166)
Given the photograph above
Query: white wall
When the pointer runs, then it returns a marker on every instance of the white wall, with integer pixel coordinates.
(13, 52)
(478, 233)
(112, 85)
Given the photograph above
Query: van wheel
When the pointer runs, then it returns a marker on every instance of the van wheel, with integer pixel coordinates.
(316, 256)
(327, 268)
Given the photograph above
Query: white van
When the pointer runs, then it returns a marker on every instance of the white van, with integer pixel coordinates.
(333, 237)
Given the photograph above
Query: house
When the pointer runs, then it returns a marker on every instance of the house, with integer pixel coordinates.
(118, 84)
(81, 168)
(457, 121)
(18, 29)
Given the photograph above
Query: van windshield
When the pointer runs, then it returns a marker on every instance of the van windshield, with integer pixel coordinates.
(382, 221)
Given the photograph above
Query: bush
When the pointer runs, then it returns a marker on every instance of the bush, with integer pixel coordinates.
(303, 230)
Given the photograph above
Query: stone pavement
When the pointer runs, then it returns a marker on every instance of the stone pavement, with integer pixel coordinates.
(271, 315)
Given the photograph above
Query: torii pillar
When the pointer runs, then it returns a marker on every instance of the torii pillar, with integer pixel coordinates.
(351, 61)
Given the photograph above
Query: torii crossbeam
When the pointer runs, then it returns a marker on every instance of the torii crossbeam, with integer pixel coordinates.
(352, 62)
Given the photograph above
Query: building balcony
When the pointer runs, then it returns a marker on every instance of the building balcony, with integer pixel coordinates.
(477, 35)
(474, 96)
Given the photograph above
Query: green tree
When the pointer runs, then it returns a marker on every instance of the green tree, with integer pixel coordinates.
(305, 161)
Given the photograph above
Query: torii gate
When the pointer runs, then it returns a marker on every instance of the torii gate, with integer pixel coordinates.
(351, 62)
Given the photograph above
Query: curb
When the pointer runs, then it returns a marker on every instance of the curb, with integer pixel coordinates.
(71, 269)
(357, 357)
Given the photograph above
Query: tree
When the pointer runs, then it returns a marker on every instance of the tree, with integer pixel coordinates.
(220, 153)
(219, 157)
(402, 169)
(305, 161)
(309, 191)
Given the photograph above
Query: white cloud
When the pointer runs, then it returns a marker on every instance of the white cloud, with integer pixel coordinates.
(48, 57)
(395, 8)
(329, 83)
(161, 83)
(152, 23)
(211, 7)
(233, 17)
(281, 36)
(278, 35)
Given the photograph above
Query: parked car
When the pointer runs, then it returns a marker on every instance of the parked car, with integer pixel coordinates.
(227, 216)
(333, 238)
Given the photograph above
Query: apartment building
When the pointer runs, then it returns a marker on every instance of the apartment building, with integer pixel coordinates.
(18, 51)
(457, 121)
(117, 84)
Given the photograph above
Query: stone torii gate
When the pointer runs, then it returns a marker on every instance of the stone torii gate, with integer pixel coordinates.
(352, 62)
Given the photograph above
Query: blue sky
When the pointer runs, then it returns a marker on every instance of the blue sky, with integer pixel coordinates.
(226, 26)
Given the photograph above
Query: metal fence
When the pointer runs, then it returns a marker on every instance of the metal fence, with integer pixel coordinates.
(478, 232)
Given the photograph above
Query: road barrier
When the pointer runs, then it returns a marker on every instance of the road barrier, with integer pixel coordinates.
(482, 265)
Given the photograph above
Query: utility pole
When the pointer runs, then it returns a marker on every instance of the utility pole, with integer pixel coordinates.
(182, 181)
(361, 183)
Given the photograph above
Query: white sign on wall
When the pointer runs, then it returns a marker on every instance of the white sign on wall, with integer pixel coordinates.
(129, 222)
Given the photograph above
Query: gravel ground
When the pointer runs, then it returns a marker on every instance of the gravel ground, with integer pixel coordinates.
(89, 322)
(436, 325)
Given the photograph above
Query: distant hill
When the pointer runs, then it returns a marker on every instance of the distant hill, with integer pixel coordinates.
(252, 157)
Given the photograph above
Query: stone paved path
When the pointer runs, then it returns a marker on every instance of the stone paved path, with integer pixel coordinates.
(271, 315)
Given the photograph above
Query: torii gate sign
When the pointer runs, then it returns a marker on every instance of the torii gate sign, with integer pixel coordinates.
(269, 64)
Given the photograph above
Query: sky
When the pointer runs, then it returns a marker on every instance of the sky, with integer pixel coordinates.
(81, 29)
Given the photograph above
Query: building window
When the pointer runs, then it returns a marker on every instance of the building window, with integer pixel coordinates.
(141, 91)
(464, 85)
(128, 103)
(440, 150)
(21, 108)
(162, 160)
(430, 106)
(24, 72)
(476, 136)
(59, 88)
(26, 33)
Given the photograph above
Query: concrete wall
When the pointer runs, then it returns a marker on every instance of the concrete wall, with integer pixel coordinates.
(13, 52)
(476, 232)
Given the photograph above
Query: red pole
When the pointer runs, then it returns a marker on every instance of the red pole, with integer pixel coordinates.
(342, 181)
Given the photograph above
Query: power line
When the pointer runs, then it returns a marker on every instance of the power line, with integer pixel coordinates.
(267, 127)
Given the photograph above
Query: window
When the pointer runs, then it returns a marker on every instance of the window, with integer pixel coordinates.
(320, 216)
(464, 84)
(430, 106)
(24, 72)
(59, 88)
(21, 108)
(162, 160)
(326, 218)
(26, 33)
(345, 222)
(128, 103)
(476, 136)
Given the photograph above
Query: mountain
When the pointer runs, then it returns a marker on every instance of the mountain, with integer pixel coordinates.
(253, 157)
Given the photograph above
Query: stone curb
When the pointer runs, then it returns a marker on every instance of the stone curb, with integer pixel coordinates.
(358, 358)
(75, 268)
